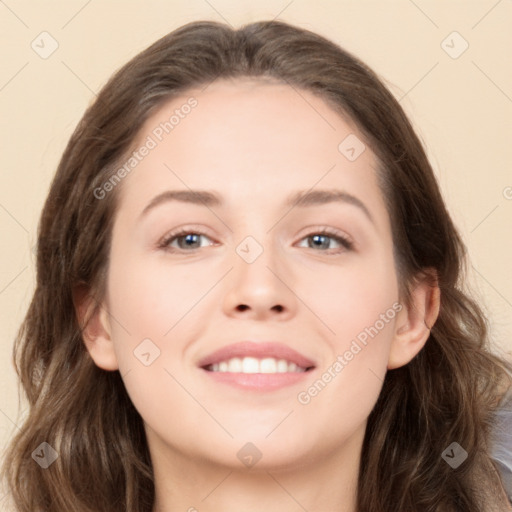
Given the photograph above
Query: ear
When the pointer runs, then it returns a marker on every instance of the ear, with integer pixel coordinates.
(415, 321)
(93, 319)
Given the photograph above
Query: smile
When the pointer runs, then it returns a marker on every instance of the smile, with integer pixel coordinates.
(255, 365)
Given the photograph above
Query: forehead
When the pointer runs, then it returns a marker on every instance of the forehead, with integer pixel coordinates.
(254, 110)
(247, 137)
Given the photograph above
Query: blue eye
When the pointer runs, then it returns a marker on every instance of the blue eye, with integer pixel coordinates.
(190, 240)
(187, 240)
(323, 239)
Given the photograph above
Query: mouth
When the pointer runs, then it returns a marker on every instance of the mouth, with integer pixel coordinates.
(254, 365)
(261, 366)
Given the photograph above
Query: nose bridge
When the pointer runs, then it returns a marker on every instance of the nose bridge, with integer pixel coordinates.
(258, 280)
(256, 254)
(255, 241)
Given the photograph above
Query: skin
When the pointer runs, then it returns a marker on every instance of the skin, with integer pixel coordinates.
(254, 143)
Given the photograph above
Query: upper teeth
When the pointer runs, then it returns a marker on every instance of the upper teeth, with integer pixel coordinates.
(254, 365)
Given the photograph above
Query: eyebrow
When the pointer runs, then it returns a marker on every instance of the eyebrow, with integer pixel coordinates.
(301, 199)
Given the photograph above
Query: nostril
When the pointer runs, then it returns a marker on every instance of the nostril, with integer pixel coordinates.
(242, 307)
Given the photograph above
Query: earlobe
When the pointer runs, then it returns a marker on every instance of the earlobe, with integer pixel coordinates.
(93, 319)
(415, 321)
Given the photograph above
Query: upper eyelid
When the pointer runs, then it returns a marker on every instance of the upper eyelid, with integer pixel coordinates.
(179, 232)
(311, 231)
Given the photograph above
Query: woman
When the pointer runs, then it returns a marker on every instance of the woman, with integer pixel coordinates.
(316, 352)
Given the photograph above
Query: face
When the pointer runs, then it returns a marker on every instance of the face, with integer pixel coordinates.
(249, 270)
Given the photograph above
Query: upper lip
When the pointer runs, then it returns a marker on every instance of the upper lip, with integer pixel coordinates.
(260, 350)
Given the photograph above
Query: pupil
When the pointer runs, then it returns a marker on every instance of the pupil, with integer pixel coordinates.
(318, 238)
(190, 238)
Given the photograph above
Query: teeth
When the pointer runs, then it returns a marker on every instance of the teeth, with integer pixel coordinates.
(234, 365)
(268, 365)
(250, 365)
(254, 365)
(282, 366)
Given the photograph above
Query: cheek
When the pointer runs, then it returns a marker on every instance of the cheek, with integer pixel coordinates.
(351, 297)
(155, 318)
(358, 307)
(150, 297)
(348, 384)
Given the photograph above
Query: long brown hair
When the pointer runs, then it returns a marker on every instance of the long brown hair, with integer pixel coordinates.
(448, 393)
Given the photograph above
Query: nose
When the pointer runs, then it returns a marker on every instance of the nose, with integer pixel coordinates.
(260, 290)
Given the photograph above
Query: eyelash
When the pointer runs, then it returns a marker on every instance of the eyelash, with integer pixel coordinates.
(335, 235)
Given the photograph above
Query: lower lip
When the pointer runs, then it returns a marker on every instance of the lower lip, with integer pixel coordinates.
(259, 381)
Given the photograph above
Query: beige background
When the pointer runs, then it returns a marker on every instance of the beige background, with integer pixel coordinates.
(461, 107)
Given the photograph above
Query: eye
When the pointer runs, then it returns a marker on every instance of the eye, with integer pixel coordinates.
(188, 240)
(324, 238)
(185, 239)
